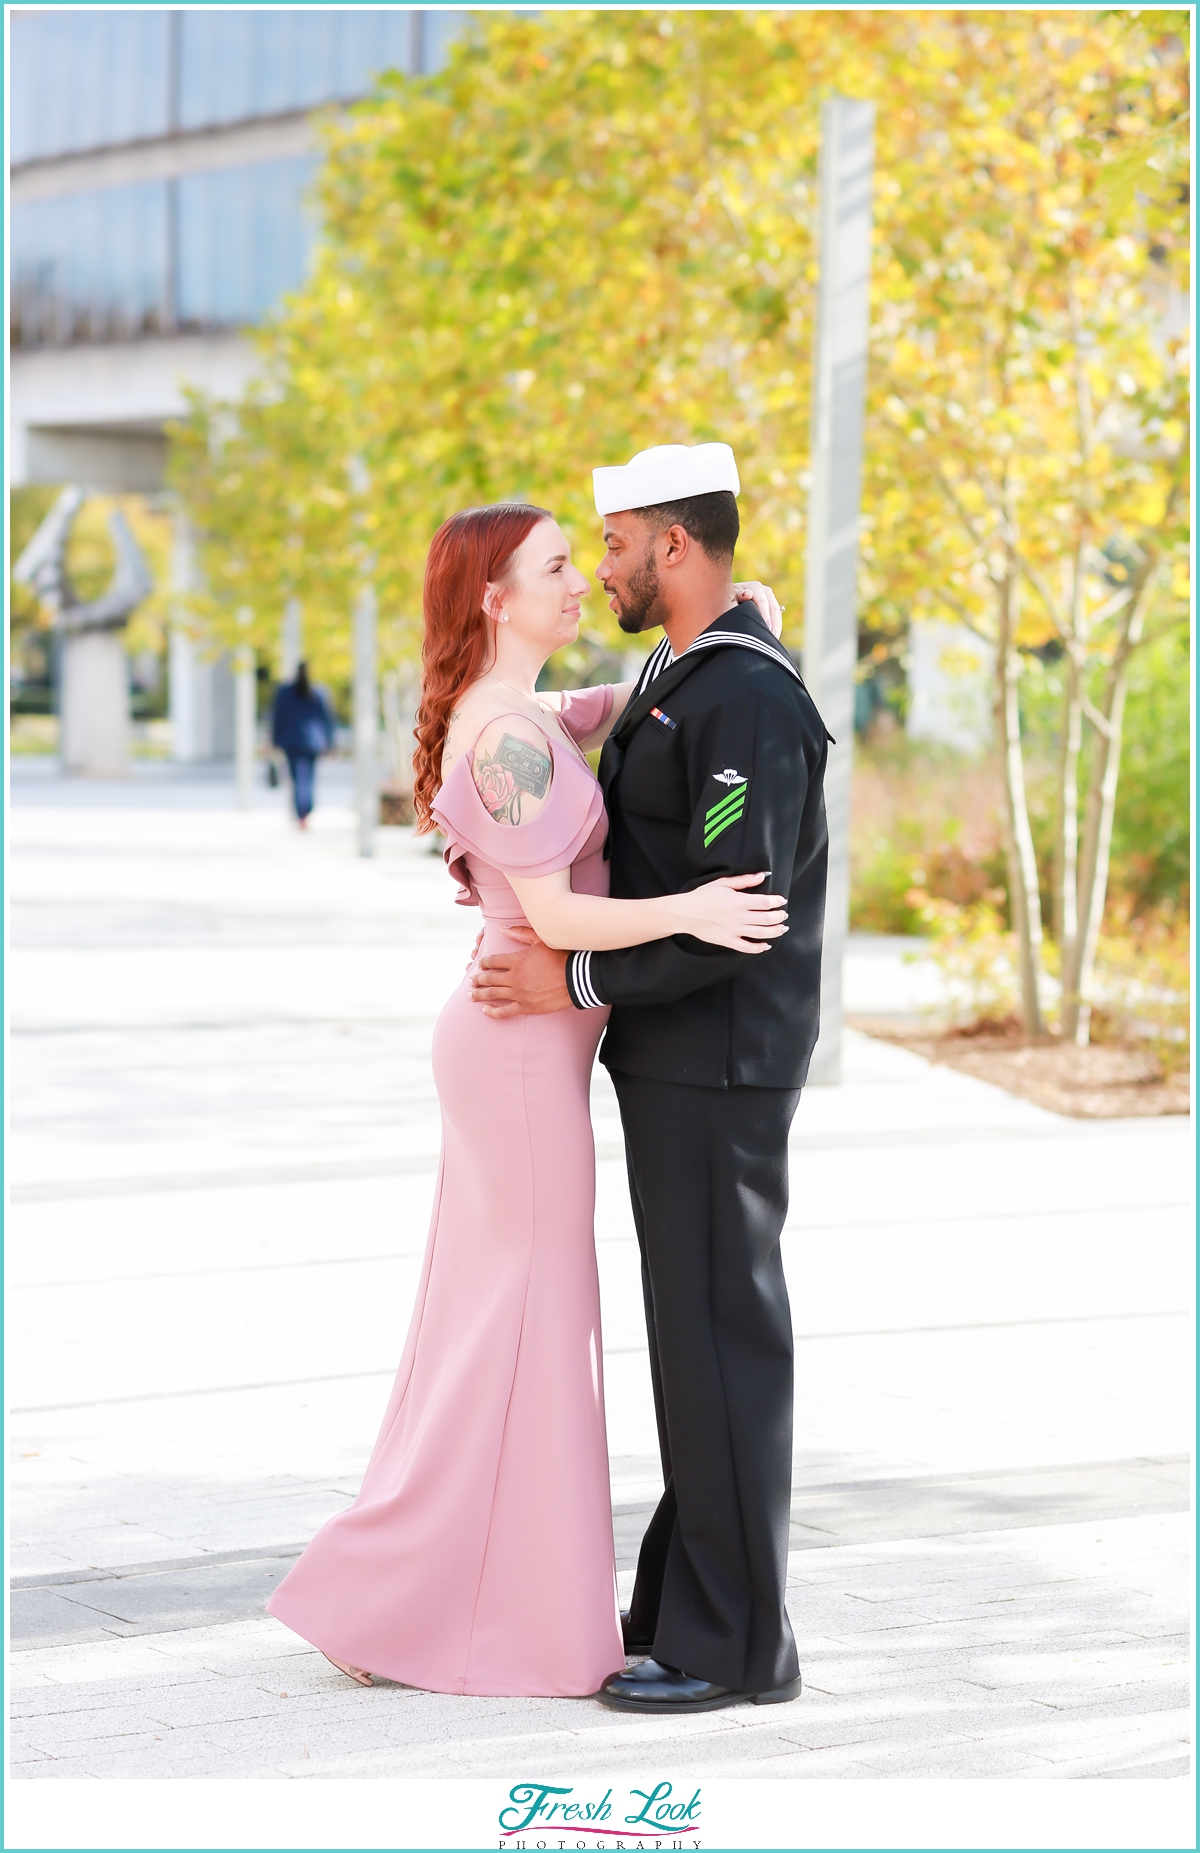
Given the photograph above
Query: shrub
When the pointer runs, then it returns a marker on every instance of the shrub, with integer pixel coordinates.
(1143, 982)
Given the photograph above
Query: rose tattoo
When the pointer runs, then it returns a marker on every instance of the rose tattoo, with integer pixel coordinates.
(517, 766)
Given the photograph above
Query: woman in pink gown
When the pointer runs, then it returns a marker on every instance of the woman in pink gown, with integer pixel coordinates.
(478, 1555)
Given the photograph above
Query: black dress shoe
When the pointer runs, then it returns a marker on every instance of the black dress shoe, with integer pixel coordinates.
(653, 1687)
(634, 1644)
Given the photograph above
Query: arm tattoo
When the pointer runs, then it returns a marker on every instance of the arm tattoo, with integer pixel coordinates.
(503, 776)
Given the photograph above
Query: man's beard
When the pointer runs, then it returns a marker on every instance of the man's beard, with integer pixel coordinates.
(638, 602)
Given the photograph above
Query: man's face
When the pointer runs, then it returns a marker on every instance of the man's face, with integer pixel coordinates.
(629, 571)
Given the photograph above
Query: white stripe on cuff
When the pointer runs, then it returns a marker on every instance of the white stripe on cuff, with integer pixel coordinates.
(581, 972)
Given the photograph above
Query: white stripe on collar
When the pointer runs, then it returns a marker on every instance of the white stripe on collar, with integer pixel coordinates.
(660, 658)
(707, 639)
(663, 656)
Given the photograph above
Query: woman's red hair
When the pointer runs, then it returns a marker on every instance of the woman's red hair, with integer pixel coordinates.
(467, 552)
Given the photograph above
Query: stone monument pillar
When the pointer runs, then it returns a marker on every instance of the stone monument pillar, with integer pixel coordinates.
(830, 607)
(93, 705)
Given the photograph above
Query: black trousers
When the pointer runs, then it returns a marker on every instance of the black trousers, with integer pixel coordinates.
(709, 1183)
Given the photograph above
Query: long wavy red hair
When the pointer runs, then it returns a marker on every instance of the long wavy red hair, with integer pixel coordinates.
(470, 550)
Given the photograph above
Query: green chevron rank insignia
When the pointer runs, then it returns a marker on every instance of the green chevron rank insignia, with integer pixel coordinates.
(727, 810)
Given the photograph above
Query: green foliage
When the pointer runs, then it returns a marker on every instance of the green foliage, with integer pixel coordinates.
(925, 821)
(1151, 839)
(1151, 847)
(1144, 984)
(1143, 975)
(595, 231)
(884, 892)
(923, 828)
(977, 957)
(902, 872)
(27, 509)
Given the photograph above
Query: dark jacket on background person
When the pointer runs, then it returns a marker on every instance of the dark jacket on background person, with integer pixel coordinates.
(715, 768)
(302, 724)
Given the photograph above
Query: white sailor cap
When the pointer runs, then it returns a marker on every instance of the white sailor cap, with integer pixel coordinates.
(667, 473)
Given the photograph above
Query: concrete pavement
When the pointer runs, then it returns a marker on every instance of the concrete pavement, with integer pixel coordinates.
(225, 1140)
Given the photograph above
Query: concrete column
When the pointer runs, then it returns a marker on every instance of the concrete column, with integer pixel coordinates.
(183, 697)
(399, 702)
(91, 671)
(201, 702)
(291, 647)
(830, 611)
(366, 677)
(366, 718)
(200, 690)
(182, 693)
(94, 704)
(244, 722)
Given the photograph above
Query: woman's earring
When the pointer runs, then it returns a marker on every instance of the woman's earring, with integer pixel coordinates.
(503, 618)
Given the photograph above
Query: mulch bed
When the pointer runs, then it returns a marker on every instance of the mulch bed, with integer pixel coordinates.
(1104, 1081)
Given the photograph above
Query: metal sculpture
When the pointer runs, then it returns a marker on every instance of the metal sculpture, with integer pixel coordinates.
(93, 671)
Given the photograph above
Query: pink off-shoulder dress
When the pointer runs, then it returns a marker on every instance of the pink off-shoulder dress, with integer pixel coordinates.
(478, 1556)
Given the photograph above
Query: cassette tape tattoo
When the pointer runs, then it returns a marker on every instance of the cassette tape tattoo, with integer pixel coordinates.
(503, 777)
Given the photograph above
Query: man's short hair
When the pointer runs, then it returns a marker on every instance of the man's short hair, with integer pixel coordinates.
(711, 520)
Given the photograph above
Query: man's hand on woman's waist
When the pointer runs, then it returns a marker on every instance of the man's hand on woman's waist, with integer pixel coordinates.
(528, 983)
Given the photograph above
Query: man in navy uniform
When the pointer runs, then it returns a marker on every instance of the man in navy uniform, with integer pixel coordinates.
(714, 768)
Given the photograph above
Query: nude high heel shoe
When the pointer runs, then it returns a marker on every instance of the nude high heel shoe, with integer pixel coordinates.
(352, 1672)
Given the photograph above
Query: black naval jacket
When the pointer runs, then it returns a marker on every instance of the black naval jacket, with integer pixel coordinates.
(715, 768)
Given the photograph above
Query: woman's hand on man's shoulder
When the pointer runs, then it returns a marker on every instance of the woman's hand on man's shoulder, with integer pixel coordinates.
(512, 768)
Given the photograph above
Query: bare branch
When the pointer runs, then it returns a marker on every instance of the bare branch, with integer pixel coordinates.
(1099, 721)
(1038, 582)
(734, 215)
(1084, 410)
(965, 616)
(1026, 565)
(968, 519)
(1162, 630)
(1111, 606)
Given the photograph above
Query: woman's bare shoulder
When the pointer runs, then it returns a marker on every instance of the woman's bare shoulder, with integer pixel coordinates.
(512, 767)
(476, 709)
(472, 710)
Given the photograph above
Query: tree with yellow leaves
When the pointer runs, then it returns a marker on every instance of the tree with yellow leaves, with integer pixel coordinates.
(1039, 383)
(595, 231)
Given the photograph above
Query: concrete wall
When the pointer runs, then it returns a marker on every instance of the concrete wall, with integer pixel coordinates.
(96, 415)
(95, 412)
(950, 686)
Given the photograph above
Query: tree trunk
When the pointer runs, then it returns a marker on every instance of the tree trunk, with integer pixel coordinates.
(1067, 872)
(1092, 885)
(1067, 897)
(1096, 858)
(1024, 898)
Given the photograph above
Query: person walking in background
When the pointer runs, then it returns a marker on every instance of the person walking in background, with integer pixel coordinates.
(302, 729)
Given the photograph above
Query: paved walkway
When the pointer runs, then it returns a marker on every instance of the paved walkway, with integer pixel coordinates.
(224, 1156)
